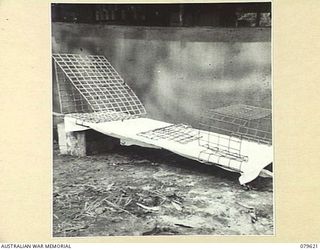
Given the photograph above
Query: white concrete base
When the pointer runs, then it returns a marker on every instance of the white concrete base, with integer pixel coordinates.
(71, 143)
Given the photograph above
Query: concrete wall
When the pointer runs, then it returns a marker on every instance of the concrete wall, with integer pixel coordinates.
(179, 72)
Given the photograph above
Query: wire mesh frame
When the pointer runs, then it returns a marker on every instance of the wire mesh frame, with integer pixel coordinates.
(258, 130)
(100, 116)
(99, 84)
(176, 132)
(221, 149)
(70, 99)
(244, 111)
(222, 131)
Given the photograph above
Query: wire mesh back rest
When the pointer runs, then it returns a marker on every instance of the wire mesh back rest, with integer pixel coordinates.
(70, 99)
(99, 84)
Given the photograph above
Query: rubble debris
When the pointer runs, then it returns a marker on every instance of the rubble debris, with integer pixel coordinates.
(161, 231)
(251, 211)
(176, 206)
(94, 205)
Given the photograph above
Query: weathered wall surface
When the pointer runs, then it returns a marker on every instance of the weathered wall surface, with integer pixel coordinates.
(179, 72)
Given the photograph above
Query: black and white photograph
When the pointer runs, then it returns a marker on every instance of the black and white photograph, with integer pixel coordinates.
(162, 119)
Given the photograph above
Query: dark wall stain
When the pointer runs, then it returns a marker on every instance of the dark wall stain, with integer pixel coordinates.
(179, 72)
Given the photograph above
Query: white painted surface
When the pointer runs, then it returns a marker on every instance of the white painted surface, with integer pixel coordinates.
(259, 155)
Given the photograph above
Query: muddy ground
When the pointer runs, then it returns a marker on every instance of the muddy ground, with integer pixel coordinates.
(138, 191)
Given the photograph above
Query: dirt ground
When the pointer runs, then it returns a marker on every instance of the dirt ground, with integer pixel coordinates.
(138, 191)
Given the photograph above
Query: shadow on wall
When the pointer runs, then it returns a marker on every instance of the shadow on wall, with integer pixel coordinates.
(179, 72)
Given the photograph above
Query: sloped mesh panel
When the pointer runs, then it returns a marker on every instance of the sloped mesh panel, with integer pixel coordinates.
(71, 100)
(100, 86)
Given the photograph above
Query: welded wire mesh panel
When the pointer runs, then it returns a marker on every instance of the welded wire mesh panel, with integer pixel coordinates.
(222, 131)
(241, 121)
(177, 132)
(243, 111)
(223, 143)
(99, 84)
(100, 116)
(71, 100)
(221, 149)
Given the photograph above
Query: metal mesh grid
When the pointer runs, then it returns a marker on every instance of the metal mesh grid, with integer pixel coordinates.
(223, 143)
(241, 121)
(222, 149)
(177, 132)
(99, 85)
(243, 111)
(102, 116)
(222, 130)
(71, 101)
